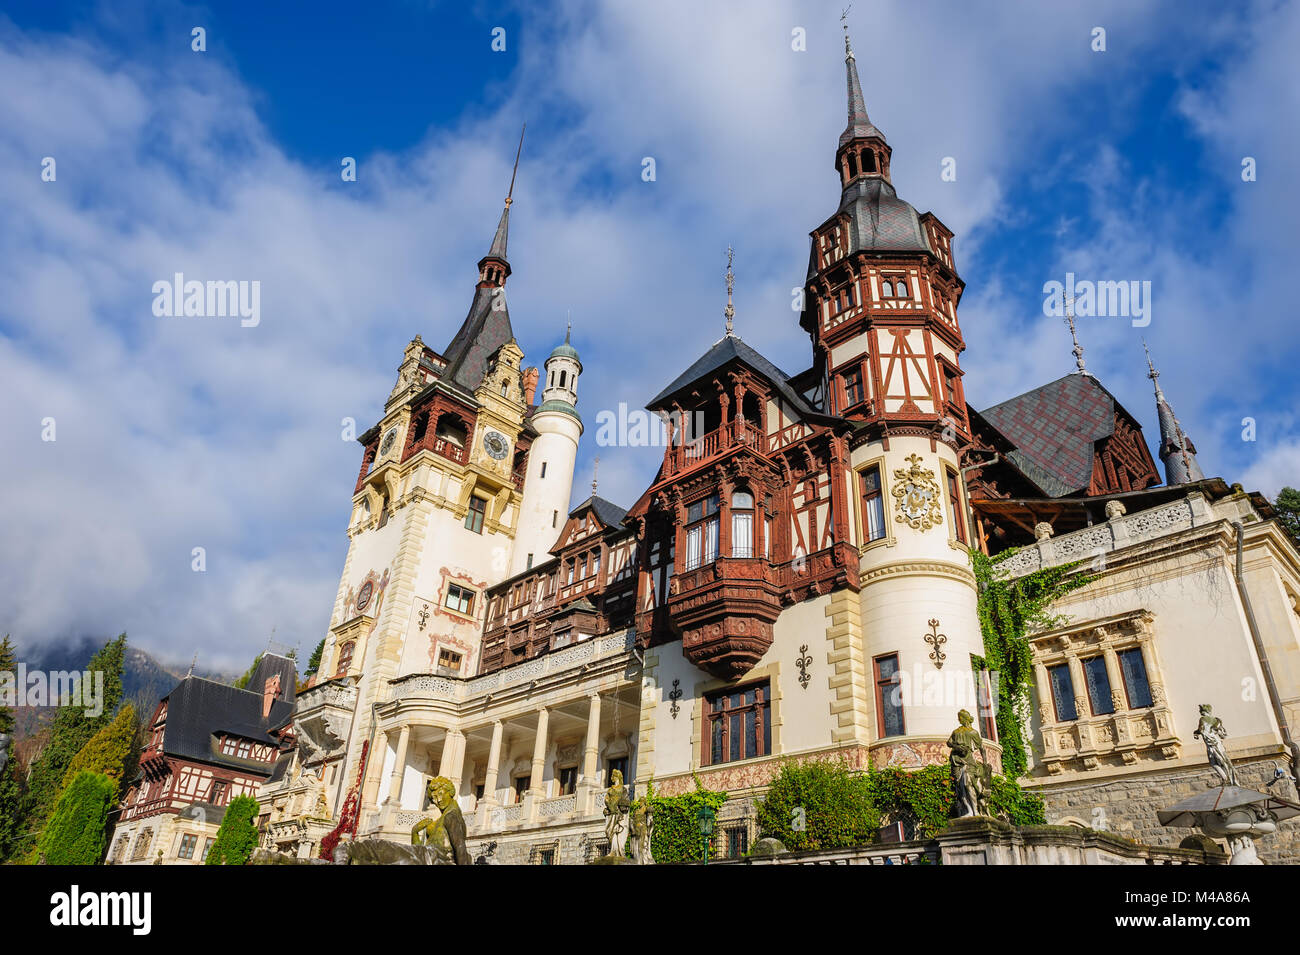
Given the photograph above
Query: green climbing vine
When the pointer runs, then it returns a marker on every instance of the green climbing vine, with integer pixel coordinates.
(676, 836)
(1010, 609)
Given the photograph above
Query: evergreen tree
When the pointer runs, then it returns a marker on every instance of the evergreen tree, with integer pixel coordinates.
(242, 682)
(78, 829)
(73, 728)
(1288, 512)
(112, 752)
(313, 663)
(11, 790)
(237, 837)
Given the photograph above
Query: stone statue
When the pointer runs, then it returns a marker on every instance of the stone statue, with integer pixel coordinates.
(616, 809)
(1114, 509)
(968, 768)
(1043, 531)
(641, 822)
(1212, 731)
(489, 855)
(444, 837)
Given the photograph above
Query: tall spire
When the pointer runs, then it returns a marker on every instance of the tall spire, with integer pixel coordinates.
(730, 310)
(859, 126)
(862, 148)
(595, 467)
(1176, 450)
(497, 253)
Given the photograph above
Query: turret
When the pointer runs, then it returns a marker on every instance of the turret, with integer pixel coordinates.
(549, 479)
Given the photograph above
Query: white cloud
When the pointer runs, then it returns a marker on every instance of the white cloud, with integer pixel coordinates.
(179, 433)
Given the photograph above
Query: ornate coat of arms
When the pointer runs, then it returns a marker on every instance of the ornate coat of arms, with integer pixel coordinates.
(916, 496)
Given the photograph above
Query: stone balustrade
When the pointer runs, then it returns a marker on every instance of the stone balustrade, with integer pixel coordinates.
(1099, 539)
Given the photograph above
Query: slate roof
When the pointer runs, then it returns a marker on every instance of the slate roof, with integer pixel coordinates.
(1055, 429)
(481, 335)
(609, 513)
(859, 126)
(198, 710)
(724, 351)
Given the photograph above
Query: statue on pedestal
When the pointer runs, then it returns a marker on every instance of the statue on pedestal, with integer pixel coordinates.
(1212, 732)
(443, 838)
(616, 810)
(968, 768)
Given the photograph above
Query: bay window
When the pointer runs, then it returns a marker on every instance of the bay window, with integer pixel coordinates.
(742, 524)
(702, 532)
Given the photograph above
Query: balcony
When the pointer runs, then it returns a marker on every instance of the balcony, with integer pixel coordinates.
(724, 611)
(734, 435)
(450, 450)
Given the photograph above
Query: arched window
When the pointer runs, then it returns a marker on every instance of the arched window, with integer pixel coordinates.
(742, 524)
(345, 659)
(853, 165)
(563, 376)
(887, 288)
(869, 162)
(420, 427)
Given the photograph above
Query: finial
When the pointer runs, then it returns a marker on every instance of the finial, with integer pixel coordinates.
(568, 329)
(1151, 372)
(730, 311)
(510, 194)
(844, 22)
(1078, 349)
(595, 466)
(192, 664)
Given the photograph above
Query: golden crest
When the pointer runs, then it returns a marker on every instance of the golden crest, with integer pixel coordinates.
(916, 496)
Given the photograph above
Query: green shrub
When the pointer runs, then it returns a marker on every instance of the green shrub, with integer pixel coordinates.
(77, 830)
(676, 836)
(237, 837)
(845, 808)
(820, 804)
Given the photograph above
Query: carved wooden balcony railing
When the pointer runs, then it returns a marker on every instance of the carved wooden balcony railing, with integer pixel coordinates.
(740, 433)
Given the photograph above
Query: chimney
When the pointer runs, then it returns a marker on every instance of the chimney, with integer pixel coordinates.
(270, 693)
(530, 385)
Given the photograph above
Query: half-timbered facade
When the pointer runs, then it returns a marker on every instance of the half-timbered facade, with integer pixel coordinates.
(795, 581)
(205, 744)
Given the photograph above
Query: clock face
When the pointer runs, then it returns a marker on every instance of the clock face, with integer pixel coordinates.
(390, 439)
(363, 598)
(496, 445)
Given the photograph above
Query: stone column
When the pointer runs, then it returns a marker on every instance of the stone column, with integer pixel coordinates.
(456, 771)
(1118, 698)
(535, 785)
(589, 757)
(493, 766)
(399, 767)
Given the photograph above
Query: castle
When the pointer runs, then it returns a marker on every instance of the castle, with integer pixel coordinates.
(793, 583)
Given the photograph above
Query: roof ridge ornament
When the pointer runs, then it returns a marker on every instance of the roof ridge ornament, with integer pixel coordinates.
(730, 310)
(1078, 349)
(595, 467)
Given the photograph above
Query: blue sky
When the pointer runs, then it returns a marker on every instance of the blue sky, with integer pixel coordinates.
(172, 434)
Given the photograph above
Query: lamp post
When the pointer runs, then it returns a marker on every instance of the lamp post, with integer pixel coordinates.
(705, 817)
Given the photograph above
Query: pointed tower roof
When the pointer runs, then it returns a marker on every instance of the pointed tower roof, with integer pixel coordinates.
(1177, 452)
(860, 125)
(487, 326)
